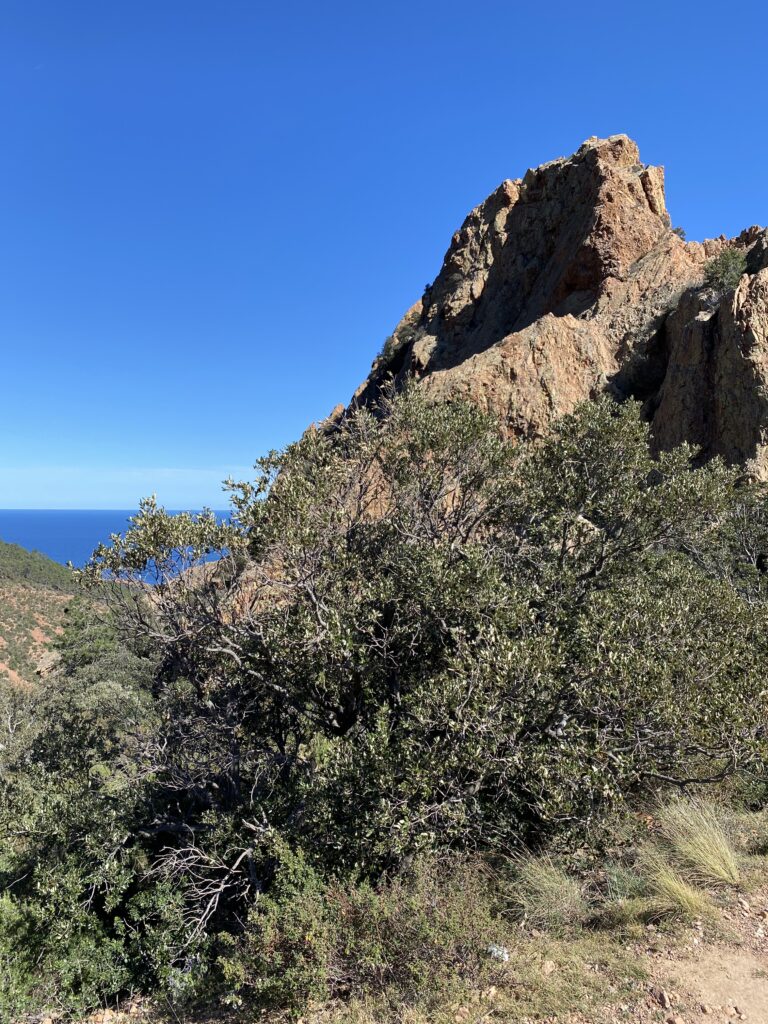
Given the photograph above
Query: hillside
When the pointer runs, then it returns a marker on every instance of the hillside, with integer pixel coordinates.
(19, 565)
(34, 591)
(571, 282)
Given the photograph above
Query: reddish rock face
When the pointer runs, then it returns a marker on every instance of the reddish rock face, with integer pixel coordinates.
(569, 282)
(715, 389)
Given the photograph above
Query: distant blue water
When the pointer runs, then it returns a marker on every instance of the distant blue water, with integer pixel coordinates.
(64, 535)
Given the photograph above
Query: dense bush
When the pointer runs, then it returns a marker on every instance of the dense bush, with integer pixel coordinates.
(417, 637)
(427, 931)
(723, 272)
(69, 813)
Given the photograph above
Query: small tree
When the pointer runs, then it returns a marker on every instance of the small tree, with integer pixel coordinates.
(724, 271)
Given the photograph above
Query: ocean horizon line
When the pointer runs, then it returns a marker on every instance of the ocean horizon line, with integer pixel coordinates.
(71, 534)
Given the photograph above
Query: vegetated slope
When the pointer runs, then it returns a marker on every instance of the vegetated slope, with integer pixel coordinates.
(34, 591)
(572, 281)
(581, 952)
(20, 565)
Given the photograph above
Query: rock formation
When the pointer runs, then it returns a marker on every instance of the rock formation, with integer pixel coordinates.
(571, 281)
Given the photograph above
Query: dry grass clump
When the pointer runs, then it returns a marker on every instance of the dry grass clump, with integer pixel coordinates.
(669, 895)
(691, 851)
(545, 897)
(698, 843)
(623, 901)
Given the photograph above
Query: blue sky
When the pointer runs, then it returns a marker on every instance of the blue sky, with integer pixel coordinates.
(212, 213)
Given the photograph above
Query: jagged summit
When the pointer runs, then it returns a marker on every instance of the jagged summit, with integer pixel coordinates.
(570, 281)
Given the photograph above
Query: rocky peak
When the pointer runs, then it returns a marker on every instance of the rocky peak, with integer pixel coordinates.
(569, 281)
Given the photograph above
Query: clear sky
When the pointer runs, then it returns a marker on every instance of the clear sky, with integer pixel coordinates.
(212, 212)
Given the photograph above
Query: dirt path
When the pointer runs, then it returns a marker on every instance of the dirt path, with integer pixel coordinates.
(732, 984)
(718, 977)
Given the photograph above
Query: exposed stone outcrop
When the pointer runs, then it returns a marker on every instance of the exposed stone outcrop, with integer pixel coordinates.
(715, 389)
(571, 281)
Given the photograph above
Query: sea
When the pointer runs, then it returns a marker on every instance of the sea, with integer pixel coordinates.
(65, 535)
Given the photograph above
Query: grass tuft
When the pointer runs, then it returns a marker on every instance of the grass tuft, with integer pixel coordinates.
(669, 894)
(545, 897)
(698, 843)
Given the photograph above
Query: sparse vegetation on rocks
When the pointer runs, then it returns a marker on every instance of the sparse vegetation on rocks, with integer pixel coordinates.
(34, 594)
(724, 271)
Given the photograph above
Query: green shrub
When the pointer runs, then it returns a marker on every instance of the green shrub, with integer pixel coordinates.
(283, 956)
(56, 954)
(419, 637)
(724, 271)
(415, 937)
(71, 855)
(464, 669)
(388, 349)
(433, 927)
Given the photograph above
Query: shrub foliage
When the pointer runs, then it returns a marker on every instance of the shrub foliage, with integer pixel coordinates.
(723, 272)
(416, 637)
